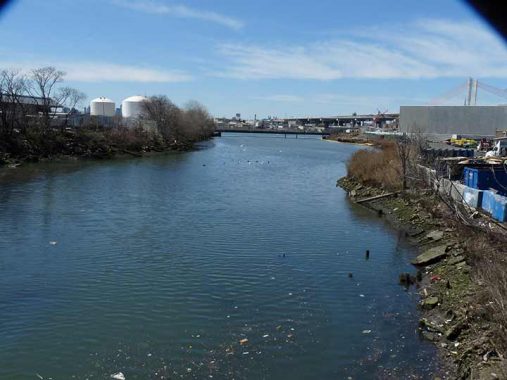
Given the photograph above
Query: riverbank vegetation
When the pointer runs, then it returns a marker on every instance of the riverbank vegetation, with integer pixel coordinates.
(377, 167)
(464, 289)
(39, 120)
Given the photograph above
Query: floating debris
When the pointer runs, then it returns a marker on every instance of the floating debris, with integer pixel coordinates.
(53, 242)
(243, 341)
(118, 376)
(366, 331)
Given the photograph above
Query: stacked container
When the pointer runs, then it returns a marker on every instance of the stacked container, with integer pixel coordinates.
(495, 204)
(486, 178)
(492, 183)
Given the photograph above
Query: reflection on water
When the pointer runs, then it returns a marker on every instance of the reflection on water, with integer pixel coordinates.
(232, 261)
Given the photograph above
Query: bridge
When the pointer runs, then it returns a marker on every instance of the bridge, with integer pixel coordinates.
(284, 132)
(341, 120)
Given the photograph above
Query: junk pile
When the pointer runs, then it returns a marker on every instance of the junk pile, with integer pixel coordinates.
(481, 183)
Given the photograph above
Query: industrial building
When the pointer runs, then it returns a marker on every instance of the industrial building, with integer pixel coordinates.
(445, 121)
(31, 105)
(441, 122)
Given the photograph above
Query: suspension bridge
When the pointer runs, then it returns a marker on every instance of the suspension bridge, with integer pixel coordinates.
(469, 91)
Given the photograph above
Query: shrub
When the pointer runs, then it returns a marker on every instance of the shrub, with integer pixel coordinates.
(377, 167)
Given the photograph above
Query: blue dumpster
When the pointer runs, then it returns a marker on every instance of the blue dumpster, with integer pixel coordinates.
(486, 178)
(495, 204)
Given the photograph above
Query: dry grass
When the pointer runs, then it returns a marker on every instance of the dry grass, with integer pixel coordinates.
(490, 263)
(488, 257)
(377, 167)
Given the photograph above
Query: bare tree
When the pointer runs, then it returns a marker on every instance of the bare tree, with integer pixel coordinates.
(404, 150)
(166, 115)
(198, 120)
(13, 87)
(44, 81)
(69, 97)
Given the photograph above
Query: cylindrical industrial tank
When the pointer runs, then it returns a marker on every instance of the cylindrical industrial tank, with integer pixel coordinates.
(133, 106)
(102, 107)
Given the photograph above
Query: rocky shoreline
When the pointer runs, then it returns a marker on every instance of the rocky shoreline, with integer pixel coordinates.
(452, 311)
(8, 162)
(86, 145)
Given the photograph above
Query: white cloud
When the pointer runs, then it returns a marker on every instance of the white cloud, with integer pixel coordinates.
(182, 11)
(369, 102)
(424, 49)
(104, 72)
(252, 62)
(108, 72)
(284, 98)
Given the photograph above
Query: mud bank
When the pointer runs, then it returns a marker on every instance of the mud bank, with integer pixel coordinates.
(454, 312)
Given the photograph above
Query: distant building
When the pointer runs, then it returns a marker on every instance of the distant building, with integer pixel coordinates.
(32, 105)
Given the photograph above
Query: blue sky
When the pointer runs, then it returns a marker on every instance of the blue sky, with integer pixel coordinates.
(264, 57)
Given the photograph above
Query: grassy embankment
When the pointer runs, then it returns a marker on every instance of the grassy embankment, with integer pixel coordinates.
(464, 293)
(91, 142)
(35, 145)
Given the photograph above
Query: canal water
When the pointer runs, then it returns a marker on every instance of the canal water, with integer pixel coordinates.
(231, 261)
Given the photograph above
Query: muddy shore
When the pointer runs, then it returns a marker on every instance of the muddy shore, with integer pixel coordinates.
(351, 139)
(452, 310)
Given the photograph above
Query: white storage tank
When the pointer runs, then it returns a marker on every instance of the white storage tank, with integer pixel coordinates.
(133, 106)
(102, 107)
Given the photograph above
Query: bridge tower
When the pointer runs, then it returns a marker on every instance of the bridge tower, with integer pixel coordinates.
(471, 99)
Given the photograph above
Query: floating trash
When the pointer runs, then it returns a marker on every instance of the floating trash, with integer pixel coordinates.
(243, 341)
(118, 376)
(366, 331)
(53, 242)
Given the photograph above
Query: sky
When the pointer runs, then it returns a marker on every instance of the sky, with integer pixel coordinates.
(287, 58)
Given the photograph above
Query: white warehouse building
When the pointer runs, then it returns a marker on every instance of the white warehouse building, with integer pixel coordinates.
(132, 107)
(102, 106)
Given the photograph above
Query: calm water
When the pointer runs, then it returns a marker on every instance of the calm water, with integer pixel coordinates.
(158, 267)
